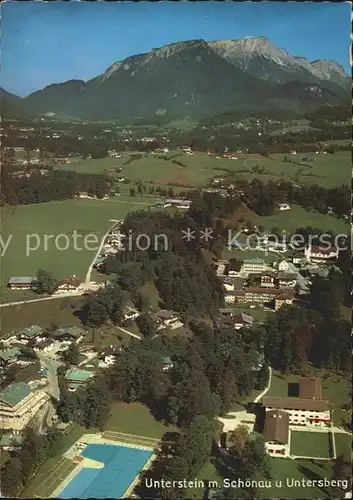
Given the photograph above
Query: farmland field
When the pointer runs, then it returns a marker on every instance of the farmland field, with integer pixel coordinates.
(86, 216)
(198, 169)
(325, 170)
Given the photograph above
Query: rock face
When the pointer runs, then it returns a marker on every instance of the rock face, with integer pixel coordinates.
(196, 79)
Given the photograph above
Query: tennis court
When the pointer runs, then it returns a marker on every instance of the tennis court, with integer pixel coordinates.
(121, 466)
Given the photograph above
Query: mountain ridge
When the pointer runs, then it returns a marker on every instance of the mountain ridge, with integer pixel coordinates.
(188, 78)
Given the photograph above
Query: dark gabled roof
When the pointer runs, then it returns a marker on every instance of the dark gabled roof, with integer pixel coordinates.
(276, 426)
(296, 404)
(310, 388)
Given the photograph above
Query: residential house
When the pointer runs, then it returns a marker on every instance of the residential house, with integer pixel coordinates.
(18, 405)
(317, 255)
(259, 295)
(70, 284)
(242, 320)
(287, 280)
(310, 388)
(276, 433)
(221, 267)
(45, 346)
(284, 298)
(253, 266)
(283, 206)
(130, 314)
(168, 319)
(224, 312)
(9, 357)
(178, 202)
(283, 265)
(267, 280)
(69, 335)
(109, 356)
(167, 363)
(30, 333)
(21, 282)
(76, 378)
(303, 412)
(11, 442)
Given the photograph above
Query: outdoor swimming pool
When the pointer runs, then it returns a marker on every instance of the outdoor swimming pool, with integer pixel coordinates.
(121, 465)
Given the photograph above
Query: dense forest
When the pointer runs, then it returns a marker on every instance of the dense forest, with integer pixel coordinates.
(53, 185)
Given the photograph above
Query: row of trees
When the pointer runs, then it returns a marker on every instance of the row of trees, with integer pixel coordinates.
(56, 185)
(21, 467)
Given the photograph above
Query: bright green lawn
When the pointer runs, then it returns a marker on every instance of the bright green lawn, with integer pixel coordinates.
(343, 444)
(135, 418)
(336, 389)
(311, 444)
(52, 219)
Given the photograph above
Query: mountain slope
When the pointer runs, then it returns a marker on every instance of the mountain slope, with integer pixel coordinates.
(197, 78)
(11, 105)
(259, 57)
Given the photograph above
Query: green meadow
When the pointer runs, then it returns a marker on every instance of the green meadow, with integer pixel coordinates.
(39, 231)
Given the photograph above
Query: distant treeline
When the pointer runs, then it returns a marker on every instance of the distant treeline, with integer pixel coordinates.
(263, 198)
(54, 185)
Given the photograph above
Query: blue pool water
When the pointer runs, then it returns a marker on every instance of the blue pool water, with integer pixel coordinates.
(121, 466)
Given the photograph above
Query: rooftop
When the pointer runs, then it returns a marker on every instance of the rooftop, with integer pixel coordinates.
(75, 374)
(11, 440)
(15, 393)
(73, 331)
(296, 404)
(254, 261)
(276, 426)
(9, 353)
(15, 280)
(31, 331)
(310, 388)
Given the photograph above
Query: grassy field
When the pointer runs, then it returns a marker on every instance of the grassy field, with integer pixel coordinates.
(135, 418)
(285, 471)
(51, 227)
(58, 311)
(336, 388)
(311, 444)
(325, 170)
(343, 444)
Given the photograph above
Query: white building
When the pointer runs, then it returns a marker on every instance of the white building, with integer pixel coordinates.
(253, 266)
(276, 433)
(283, 206)
(316, 255)
(283, 265)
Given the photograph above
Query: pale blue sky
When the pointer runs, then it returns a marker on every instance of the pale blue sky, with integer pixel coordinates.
(43, 43)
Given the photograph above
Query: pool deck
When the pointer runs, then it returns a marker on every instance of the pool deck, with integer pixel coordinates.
(74, 454)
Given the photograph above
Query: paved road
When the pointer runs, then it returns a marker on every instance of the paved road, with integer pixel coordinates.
(89, 270)
(51, 365)
(52, 297)
(129, 333)
(267, 388)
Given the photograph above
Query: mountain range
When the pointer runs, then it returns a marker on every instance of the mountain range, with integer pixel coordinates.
(196, 79)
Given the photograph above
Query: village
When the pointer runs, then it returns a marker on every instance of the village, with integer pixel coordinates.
(250, 284)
